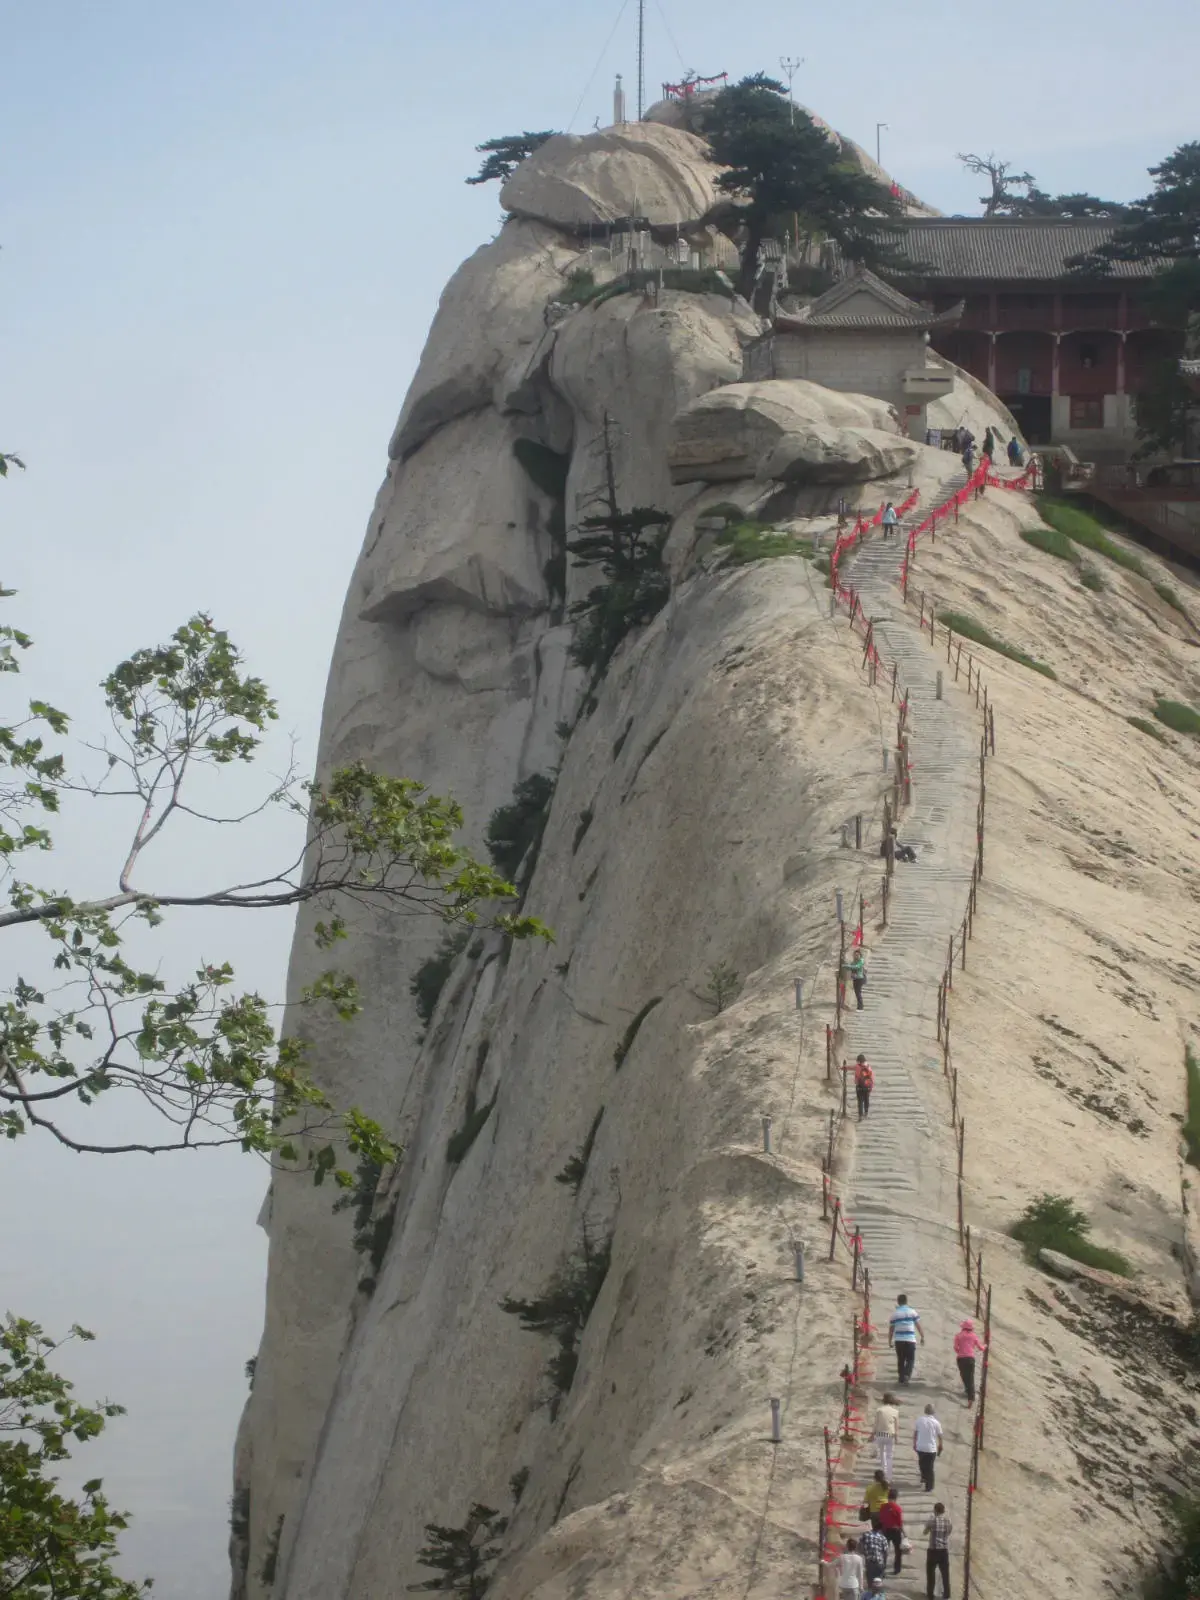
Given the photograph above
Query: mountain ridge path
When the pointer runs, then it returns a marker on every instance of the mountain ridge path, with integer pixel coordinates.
(900, 1185)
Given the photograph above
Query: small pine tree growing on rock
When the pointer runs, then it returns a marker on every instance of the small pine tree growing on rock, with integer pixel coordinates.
(780, 163)
(502, 156)
(721, 985)
(461, 1557)
(516, 829)
(563, 1308)
(627, 546)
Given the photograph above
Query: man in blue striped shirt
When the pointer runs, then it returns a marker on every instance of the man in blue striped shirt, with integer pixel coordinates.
(904, 1329)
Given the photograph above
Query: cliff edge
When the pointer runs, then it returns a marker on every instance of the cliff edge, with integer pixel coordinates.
(586, 1119)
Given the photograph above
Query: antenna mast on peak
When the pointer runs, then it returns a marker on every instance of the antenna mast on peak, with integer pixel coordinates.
(641, 59)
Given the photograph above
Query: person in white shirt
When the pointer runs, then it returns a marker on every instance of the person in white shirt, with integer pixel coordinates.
(927, 1442)
(887, 1426)
(851, 1574)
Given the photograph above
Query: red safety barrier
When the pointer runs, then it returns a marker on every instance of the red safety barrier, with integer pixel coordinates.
(983, 477)
(853, 1430)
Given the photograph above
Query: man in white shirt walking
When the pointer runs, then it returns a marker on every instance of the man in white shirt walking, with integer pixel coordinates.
(904, 1329)
(927, 1442)
(850, 1572)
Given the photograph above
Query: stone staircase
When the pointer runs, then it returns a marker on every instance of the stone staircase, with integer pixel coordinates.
(901, 1187)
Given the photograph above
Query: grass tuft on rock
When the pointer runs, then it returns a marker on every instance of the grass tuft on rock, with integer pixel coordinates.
(1082, 528)
(1077, 526)
(968, 628)
(1191, 1128)
(744, 542)
(1053, 542)
(1052, 1222)
(575, 1170)
(514, 831)
(1144, 725)
(1178, 717)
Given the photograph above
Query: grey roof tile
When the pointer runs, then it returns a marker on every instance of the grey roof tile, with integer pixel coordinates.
(987, 248)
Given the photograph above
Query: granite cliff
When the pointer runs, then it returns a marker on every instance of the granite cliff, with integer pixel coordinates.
(697, 820)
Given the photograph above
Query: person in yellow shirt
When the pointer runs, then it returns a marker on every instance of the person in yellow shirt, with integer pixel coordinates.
(876, 1496)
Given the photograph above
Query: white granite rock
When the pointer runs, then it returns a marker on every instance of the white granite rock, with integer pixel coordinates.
(491, 311)
(638, 362)
(728, 433)
(636, 169)
(823, 454)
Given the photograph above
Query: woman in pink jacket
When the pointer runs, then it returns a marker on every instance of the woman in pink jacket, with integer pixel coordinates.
(967, 1344)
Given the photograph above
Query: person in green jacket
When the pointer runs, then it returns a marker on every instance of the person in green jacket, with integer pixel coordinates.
(858, 975)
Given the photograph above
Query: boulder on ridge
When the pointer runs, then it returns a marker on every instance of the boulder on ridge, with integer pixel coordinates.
(823, 454)
(633, 169)
(739, 431)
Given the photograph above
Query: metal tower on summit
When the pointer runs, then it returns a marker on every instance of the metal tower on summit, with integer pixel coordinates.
(641, 59)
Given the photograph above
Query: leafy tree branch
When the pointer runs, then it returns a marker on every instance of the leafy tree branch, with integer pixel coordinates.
(50, 1546)
(209, 1060)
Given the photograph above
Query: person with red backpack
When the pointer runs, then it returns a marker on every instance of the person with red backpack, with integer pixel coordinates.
(864, 1082)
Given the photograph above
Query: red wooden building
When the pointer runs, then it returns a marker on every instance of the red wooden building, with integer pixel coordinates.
(1067, 354)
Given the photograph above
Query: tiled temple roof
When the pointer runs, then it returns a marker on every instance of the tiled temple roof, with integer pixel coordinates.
(1036, 249)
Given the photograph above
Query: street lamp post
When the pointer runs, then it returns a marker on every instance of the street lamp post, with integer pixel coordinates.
(879, 127)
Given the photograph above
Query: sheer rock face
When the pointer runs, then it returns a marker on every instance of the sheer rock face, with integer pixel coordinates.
(632, 170)
(462, 526)
(451, 664)
(491, 314)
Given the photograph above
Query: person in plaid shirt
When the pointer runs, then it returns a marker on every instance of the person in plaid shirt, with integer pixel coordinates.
(937, 1557)
(873, 1548)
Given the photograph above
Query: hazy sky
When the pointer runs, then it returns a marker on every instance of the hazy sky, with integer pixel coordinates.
(224, 230)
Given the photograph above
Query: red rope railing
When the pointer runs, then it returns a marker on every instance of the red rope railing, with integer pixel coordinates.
(852, 1429)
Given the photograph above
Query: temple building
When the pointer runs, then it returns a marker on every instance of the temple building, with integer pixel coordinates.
(1066, 353)
(864, 337)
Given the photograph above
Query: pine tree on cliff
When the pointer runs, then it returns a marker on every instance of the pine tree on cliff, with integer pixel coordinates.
(1004, 201)
(461, 1556)
(627, 546)
(784, 165)
(502, 157)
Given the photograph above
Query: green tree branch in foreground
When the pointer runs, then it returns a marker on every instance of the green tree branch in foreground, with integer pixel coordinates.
(51, 1548)
(208, 1059)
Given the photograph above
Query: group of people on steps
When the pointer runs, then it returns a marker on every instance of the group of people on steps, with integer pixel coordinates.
(861, 1567)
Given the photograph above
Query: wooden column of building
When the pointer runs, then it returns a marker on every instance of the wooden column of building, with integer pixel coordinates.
(1054, 359)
